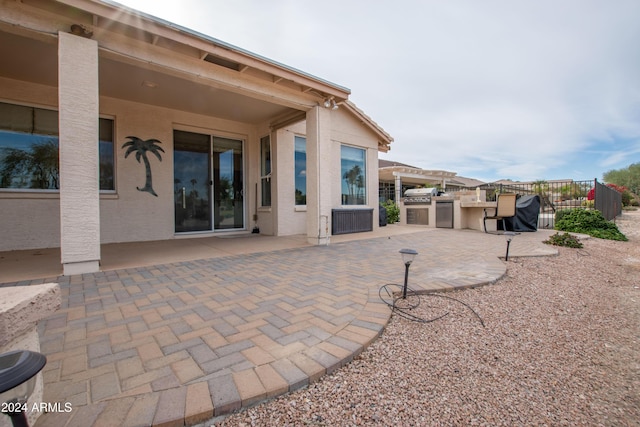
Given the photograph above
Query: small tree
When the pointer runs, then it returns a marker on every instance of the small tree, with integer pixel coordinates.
(624, 191)
(628, 177)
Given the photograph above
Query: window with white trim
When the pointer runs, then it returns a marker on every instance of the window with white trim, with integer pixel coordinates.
(300, 160)
(353, 170)
(29, 149)
(265, 170)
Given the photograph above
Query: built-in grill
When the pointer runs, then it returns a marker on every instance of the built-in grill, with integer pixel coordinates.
(419, 196)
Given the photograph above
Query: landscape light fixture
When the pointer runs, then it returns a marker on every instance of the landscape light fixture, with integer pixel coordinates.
(408, 256)
(509, 235)
(18, 371)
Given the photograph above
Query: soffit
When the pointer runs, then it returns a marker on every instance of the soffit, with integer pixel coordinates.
(200, 74)
(36, 61)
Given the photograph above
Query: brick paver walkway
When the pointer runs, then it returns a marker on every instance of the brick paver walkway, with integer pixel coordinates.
(179, 343)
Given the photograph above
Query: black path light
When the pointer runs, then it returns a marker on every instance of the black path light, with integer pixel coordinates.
(401, 305)
(408, 256)
(18, 371)
(509, 235)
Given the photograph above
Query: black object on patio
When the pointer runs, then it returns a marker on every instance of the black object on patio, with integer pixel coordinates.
(527, 211)
(382, 217)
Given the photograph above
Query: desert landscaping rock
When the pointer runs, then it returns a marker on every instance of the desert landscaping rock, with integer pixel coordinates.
(560, 346)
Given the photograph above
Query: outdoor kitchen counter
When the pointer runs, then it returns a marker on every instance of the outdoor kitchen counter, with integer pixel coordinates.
(471, 214)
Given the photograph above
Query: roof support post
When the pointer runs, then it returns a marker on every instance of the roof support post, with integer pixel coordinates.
(398, 188)
(318, 175)
(78, 100)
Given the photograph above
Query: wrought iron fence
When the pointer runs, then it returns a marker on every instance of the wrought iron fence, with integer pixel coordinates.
(558, 195)
(554, 196)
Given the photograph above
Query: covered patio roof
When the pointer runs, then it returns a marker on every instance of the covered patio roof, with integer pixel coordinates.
(145, 59)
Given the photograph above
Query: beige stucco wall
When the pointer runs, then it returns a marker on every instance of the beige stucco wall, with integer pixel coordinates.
(131, 215)
(31, 219)
(347, 130)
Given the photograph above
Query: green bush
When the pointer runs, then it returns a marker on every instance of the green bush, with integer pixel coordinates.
(393, 211)
(589, 222)
(564, 239)
(561, 213)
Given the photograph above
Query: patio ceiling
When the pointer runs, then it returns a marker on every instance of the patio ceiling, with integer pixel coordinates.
(36, 60)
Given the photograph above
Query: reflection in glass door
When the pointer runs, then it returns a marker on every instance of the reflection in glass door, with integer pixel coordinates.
(192, 181)
(228, 185)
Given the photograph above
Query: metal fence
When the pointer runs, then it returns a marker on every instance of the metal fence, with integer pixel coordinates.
(607, 200)
(554, 196)
(558, 195)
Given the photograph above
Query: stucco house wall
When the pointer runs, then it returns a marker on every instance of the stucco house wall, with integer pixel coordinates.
(131, 215)
(347, 129)
(128, 215)
(31, 219)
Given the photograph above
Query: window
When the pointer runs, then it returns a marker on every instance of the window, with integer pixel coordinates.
(300, 160)
(265, 169)
(353, 172)
(29, 149)
(106, 152)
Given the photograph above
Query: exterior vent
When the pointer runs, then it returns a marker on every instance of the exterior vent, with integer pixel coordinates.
(222, 62)
(345, 221)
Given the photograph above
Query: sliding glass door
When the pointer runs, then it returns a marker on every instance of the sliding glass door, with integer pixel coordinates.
(191, 181)
(228, 184)
(208, 183)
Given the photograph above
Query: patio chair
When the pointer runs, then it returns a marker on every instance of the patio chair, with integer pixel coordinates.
(506, 208)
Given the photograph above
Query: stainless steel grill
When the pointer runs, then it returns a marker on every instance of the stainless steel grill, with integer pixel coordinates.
(419, 196)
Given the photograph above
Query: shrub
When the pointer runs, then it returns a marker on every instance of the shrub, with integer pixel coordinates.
(561, 213)
(589, 222)
(564, 239)
(393, 211)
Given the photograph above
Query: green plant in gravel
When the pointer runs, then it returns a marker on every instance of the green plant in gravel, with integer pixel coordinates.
(589, 222)
(564, 239)
(393, 211)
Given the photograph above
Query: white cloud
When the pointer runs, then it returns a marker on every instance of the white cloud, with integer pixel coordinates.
(493, 89)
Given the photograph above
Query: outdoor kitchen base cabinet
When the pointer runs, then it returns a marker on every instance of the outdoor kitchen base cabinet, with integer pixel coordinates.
(417, 216)
(444, 214)
(345, 221)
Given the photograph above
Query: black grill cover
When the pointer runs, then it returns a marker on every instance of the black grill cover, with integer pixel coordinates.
(382, 218)
(526, 219)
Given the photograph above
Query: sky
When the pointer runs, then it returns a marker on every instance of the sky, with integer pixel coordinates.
(495, 89)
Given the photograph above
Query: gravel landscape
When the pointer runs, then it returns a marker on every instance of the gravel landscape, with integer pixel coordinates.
(560, 346)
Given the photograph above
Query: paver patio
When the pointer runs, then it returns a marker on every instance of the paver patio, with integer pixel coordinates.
(178, 343)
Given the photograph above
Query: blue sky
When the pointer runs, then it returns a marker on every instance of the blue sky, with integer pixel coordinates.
(525, 90)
